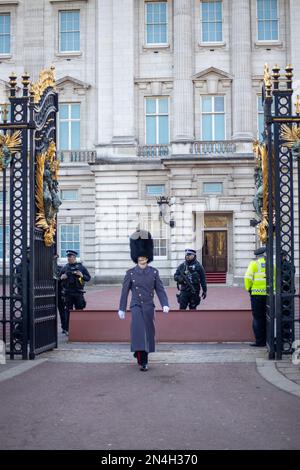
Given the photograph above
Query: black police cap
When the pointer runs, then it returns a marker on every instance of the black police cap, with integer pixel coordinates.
(260, 251)
(71, 253)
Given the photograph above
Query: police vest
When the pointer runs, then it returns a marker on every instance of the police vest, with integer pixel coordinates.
(255, 277)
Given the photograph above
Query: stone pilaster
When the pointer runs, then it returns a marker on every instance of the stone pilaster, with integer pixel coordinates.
(183, 71)
(33, 45)
(241, 69)
(123, 72)
(104, 80)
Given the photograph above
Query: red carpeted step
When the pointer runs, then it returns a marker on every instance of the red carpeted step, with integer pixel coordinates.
(216, 278)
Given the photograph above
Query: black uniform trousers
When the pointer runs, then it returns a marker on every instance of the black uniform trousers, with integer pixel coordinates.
(73, 300)
(189, 299)
(259, 323)
(61, 306)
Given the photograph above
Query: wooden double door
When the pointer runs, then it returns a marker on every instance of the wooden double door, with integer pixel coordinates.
(214, 251)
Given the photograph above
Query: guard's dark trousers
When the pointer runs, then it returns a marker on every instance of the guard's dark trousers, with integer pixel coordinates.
(258, 305)
(62, 312)
(188, 299)
(73, 300)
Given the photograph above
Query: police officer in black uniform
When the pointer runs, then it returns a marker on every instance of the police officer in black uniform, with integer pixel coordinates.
(190, 277)
(73, 276)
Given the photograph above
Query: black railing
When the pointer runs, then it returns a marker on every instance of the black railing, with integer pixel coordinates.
(153, 151)
(70, 156)
(218, 147)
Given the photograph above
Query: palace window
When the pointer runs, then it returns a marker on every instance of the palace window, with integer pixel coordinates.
(212, 118)
(159, 232)
(211, 21)
(69, 195)
(212, 188)
(156, 16)
(157, 121)
(155, 189)
(5, 33)
(1, 242)
(69, 126)
(69, 31)
(267, 20)
(260, 118)
(69, 238)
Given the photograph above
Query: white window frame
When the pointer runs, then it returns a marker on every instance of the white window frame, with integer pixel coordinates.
(69, 120)
(221, 41)
(157, 115)
(155, 184)
(7, 241)
(258, 98)
(213, 113)
(59, 239)
(59, 31)
(156, 44)
(7, 13)
(258, 113)
(146, 223)
(213, 192)
(69, 189)
(262, 41)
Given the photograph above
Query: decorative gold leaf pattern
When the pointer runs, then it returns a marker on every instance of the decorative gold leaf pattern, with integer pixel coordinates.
(13, 142)
(46, 79)
(9, 145)
(261, 153)
(49, 226)
(290, 135)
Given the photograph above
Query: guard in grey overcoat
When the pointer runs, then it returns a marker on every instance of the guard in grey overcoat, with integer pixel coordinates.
(142, 280)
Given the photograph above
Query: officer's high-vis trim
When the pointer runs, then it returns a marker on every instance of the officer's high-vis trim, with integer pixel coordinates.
(255, 277)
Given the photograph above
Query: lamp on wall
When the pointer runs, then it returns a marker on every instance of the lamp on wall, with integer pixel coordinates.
(163, 202)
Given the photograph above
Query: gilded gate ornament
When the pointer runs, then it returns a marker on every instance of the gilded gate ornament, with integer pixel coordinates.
(46, 79)
(9, 145)
(291, 136)
(260, 200)
(46, 193)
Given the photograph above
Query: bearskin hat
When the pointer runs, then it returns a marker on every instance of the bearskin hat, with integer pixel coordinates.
(141, 244)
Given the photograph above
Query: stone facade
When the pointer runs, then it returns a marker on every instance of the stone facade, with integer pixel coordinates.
(110, 76)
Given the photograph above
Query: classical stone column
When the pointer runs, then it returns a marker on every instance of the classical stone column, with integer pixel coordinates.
(104, 70)
(33, 45)
(123, 71)
(183, 71)
(241, 70)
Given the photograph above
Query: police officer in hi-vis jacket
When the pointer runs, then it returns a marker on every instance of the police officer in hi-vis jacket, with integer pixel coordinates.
(256, 285)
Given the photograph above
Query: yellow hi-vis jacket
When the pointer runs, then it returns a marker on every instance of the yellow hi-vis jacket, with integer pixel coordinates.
(255, 277)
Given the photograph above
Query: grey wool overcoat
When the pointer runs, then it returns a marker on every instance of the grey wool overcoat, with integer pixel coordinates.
(142, 283)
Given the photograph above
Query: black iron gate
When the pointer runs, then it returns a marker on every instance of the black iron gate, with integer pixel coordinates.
(282, 144)
(30, 204)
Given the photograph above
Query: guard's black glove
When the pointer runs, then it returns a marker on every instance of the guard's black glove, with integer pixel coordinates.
(203, 295)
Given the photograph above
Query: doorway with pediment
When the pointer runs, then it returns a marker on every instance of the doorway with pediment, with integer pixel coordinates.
(216, 245)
